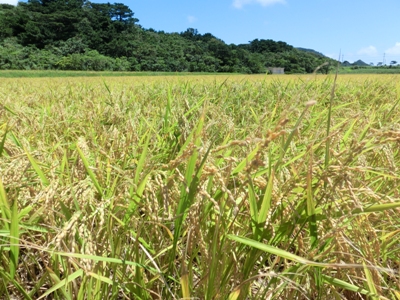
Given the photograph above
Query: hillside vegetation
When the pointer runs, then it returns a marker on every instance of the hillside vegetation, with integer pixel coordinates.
(247, 187)
(81, 35)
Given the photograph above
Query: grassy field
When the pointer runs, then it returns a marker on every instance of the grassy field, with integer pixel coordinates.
(368, 70)
(200, 187)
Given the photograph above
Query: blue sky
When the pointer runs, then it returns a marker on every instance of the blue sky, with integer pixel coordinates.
(367, 30)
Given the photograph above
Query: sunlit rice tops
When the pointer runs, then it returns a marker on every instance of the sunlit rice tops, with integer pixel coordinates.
(207, 186)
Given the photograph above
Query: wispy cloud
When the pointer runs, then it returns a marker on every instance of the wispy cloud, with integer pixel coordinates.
(12, 2)
(395, 50)
(370, 51)
(240, 3)
(191, 19)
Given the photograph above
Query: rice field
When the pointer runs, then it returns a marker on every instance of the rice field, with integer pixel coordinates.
(200, 187)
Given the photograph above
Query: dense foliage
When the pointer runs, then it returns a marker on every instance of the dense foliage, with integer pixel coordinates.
(80, 35)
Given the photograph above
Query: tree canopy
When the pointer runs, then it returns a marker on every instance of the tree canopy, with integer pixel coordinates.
(81, 35)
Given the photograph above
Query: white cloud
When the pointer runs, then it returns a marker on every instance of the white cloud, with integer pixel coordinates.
(12, 2)
(241, 3)
(395, 50)
(191, 19)
(370, 51)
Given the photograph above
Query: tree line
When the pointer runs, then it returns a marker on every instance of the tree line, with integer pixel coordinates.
(81, 35)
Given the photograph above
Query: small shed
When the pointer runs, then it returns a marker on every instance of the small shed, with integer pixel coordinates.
(276, 70)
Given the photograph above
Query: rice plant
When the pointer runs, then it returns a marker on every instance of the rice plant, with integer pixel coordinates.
(206, 187)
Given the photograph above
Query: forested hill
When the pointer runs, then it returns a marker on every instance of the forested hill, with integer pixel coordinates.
(80, 35)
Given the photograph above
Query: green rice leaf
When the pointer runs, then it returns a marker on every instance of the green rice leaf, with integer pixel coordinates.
(37, 169)
(184, 280)
(90, 172)
(267, 199)
(3, 140)
(142, 159)
(270, 249)
(14, 240)
(4, 206)
(311, 206)
(60, 284)
(253, 207)
(101, 278)
(345, 285)
(370, 281)
(246, 161)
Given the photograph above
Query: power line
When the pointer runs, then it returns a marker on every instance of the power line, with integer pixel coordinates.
(382, 58)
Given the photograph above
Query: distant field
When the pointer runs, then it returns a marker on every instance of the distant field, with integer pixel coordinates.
(370, 70)
(201, 187)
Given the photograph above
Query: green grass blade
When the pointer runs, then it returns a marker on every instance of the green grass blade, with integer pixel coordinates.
(376, 208)
(3, 141)
(37, 169)
(192, 178)
(90, 172)
(370, 282)
(60, 284)
(253, 207)
(349, 131)
(214, 263)
(270, 249)
(289, 139)
(266, 202)
(311, 206)
(4, 207)
(345, 285)
(101, 278)
(166, 121)
(234, 295)
(245, 161)
(388, 115)
(10, 110)
(188, 199)
(14, 138)
(184, 280)
(142, 159)
(14, 240)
